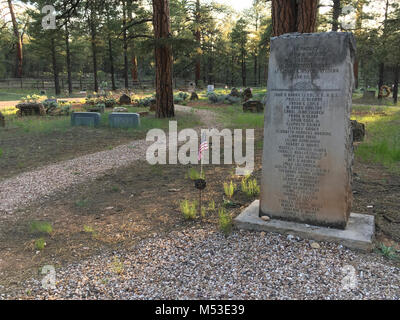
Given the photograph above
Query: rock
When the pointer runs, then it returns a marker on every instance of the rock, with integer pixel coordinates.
(30, 108)
(194, 96)
(315, 245)
(265, 218)
(235, 93)
(247, 94)
(253, 106)
(125, 99)
(2, 120)
(358, 129)
(120, 109)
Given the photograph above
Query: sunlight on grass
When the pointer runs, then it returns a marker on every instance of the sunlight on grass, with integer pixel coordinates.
(382, 142)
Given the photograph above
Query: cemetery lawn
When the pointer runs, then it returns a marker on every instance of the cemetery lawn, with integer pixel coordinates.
(129, 204)
(31, 142)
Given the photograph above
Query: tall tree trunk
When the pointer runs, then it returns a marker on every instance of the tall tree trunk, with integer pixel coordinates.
(306, 21)
(55, 68)
(294, 16)
(283, 16)
(111, 57)
(125, 43)
(244, 71)
(94, 56)
(381, 78)
(18, 40)
(134, 68)
(396, 83)
(335, 15)
(163, 57)
(68, 58)
(197, 35)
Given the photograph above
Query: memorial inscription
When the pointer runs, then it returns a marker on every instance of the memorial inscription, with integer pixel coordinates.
(307, 136)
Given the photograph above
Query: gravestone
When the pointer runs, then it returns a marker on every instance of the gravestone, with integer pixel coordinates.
(307, 155)
(253, 106)
(124, 120)
(88, 119)
(124, 99)
(2, 120)
(210, 88)
(247, 94)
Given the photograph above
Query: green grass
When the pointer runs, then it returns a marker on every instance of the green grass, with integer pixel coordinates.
(41, 227)
(382, 142)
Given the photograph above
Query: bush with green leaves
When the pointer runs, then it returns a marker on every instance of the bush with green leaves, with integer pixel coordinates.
(222, 98)
(188, 209)
(43, 227)
(33, 98)
(250, 186)
(195, 175)
(229, 189)
(224, 221)
(388, 251)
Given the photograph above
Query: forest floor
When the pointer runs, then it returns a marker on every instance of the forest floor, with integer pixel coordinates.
(96, 227)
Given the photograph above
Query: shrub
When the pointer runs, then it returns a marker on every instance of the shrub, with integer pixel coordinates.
(194, 174)
(40, 244)
(188, 209)
(250, 186)
(225, 221)
(41, 227)
(229, 189)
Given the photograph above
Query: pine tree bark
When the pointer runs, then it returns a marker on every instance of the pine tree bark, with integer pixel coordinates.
(125, 45)
(283, 16)
(111, 57)
(163, 57)
(335, 15)
(55, 68)
(197, 35)
(18, 40)
(68, 59)
(396, 84)
(294, 16)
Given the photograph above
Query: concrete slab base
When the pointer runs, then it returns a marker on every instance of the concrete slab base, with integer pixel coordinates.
(358, 234)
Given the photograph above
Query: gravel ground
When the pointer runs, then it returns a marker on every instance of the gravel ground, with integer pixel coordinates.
(203, 264)
(30, 186)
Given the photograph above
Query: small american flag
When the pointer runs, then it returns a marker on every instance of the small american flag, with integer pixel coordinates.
(203, 145)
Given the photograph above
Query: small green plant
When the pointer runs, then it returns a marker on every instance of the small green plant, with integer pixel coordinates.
(81, 203)
(115, 189)
(117, 266)
(250, 187)
(40, 244)
(41, 227)
(1, 152)
(387, 251)
(88, 229)
(211, 205)
(203, 212)
(188, 209)
(229, 189)
(194, 174)
(225, 221)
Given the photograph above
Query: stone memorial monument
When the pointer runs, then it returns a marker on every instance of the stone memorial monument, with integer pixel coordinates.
(308, 152)
(88, 119)
(124, 120)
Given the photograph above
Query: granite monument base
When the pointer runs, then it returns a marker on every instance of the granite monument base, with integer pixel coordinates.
(358, 234)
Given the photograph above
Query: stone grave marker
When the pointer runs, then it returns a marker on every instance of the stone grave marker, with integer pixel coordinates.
(308, 153)
(89, 119)
(124, 120)
(210, 88)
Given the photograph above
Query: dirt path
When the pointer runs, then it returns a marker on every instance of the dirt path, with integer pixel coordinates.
(41, 183)
(8, 104)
